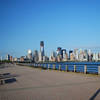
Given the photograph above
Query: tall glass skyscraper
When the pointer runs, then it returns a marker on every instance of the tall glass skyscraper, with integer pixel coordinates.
(42, 49)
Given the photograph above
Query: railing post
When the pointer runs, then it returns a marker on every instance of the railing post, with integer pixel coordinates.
(67, 68)
(44, 65)
(74, 68)
(99, 70)
(53, 66)
(85, 69)
(48, 66)
(41, 65)
(59, 67)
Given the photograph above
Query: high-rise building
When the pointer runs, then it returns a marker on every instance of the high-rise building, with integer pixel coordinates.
(41, 51)
(59, 54)
(15, 59)
(70, 52)
(59, 58)
(45, 58)
(59, 51)
(85, 55)
(81, 55)
(36, 56)
(72, 58)
(53, 56)
(11, 58)
(22, 58)
(64, 55)
(40, 57)
(29, 56)
(76, 54)
(42, 47)
(90, 55)
(8, 57)
(98, 56)
(95, 57)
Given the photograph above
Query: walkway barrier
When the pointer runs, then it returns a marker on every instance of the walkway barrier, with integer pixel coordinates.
(98, 69)
(74, 68)
(59, 67)
(90, 68)
(85, 69)
(48, 66)
(54, 66)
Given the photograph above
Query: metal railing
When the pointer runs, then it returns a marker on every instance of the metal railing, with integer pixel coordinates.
(91, 68)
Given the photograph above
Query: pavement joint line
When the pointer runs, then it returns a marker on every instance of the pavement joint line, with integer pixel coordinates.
(48, 86)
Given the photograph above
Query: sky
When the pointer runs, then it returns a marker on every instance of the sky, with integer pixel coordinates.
(65, 23)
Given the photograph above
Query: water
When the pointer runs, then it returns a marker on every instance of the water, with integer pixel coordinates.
(92, 67)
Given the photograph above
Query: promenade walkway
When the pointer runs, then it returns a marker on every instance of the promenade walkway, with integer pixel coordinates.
(38, 84)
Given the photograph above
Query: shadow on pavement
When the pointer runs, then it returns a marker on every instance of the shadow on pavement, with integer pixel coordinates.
(7, 78)
(95, 94)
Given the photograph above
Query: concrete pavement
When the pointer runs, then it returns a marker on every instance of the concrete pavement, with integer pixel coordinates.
(37, 84)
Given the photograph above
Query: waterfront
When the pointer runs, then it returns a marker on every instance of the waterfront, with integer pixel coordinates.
(85, 67)
(38, 84)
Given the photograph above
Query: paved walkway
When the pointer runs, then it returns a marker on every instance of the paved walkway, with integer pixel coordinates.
(37, 84)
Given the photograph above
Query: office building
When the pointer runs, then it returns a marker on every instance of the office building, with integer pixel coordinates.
(41, 54)
(8, 57)
(59, 51)
(76, 54)
(95, 57)
(81, 55)
(53, 56)
(64, 55)
(98, 56)
(22, 59)
(70, 53)
(72, 58)
(29, 55)
(11, 58)
(36, 56)
(45, 59)
(42, 48)
(59, 58)
(40, 57)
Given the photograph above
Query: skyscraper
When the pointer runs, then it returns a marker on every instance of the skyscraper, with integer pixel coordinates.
(64, 55)
(29, 56)
(41, 54)
(76, 54)
(70, 52)
(53, 56)
(59, 51)
(36, 56)
(85, 55)
(7, 57)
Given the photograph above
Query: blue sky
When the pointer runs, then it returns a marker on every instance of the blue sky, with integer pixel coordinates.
(65, 23)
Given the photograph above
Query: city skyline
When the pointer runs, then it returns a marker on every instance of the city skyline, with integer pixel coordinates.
(93, 50)
(58, 55)
(66, 23)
